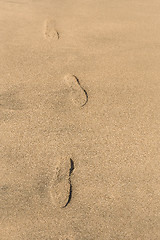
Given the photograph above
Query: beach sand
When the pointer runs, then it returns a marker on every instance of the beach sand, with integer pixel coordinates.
(79, 120)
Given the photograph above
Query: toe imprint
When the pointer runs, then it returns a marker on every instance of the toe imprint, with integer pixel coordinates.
(50, 32)
(61, 187)
(78, 94)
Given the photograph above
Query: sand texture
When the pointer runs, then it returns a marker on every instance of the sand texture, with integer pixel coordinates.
(79, 120)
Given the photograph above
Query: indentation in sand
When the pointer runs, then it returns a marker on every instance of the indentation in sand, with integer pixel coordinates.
(78, 94)
(50, 33)
(61, 188)
(10, 100)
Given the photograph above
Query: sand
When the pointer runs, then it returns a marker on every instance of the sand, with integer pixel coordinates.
(79, 120)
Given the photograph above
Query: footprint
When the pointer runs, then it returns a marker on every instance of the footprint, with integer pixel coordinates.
(61, 188)
(50, 33)
(78, 94)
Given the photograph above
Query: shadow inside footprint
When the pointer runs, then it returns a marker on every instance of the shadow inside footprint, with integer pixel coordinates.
(70, 194)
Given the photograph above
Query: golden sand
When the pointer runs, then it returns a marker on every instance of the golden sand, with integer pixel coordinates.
(79, 120)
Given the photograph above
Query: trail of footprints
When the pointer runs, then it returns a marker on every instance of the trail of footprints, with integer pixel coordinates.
(60, 188)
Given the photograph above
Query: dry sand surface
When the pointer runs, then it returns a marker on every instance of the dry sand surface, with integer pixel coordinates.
(80, 119)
